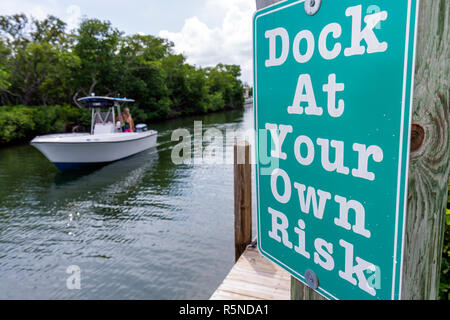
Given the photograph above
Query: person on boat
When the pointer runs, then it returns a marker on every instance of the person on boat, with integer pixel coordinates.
(128, 123)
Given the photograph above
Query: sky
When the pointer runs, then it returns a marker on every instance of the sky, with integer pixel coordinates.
(207, 32)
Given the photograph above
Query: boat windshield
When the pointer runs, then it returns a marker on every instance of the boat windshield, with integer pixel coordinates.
(104, 117)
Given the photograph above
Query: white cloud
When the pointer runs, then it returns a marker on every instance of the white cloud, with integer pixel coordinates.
(220, 30)
(74, 16)
(70, 14)
(23, 6)
(230, 43)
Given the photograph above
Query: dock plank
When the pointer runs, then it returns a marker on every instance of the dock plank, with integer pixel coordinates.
(254, 277)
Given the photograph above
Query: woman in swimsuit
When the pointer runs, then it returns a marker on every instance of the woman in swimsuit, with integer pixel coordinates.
(128, 123)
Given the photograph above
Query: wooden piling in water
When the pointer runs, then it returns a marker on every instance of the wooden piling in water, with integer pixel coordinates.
(253, 277)
(242, 198)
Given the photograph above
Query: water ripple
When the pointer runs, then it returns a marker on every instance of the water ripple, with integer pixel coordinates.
(141, 228)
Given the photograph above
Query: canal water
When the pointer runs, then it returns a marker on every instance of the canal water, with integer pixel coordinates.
(140, 228)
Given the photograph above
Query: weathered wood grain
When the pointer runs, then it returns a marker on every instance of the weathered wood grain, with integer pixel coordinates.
(429, 162)
(242, 198)
(254, 277)
(265, 3)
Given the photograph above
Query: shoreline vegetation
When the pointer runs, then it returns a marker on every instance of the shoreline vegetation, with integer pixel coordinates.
(44, 68)
(444, 288)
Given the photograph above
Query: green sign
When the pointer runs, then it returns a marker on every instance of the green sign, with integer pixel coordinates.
(333, 100)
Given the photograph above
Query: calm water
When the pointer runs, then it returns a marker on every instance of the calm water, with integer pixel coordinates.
(140, 228)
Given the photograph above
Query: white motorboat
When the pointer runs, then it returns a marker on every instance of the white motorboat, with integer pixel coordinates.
(107, 141)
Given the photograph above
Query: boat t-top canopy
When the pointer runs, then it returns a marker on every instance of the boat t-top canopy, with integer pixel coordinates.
(102, 102)
(101, 119)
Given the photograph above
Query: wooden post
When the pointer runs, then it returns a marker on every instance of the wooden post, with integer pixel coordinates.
(430, 157)
(430, 154)
(265, 3)
(242, 198)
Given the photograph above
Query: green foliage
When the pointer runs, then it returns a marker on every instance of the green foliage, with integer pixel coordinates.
(21, 123)
(4, 83)
(96, 43)
(43, 64)
(16, 124)
(444, 292)
(4, 74)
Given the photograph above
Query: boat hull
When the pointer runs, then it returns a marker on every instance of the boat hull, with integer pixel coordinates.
(74, 152)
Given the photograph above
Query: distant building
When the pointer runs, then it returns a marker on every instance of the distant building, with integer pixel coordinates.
(248, 92)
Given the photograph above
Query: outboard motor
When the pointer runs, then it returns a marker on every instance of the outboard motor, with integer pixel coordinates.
(141, 127)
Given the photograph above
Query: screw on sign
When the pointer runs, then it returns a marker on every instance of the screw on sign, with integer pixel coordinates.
(311, 279)
(312, 6)
(334, 95)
